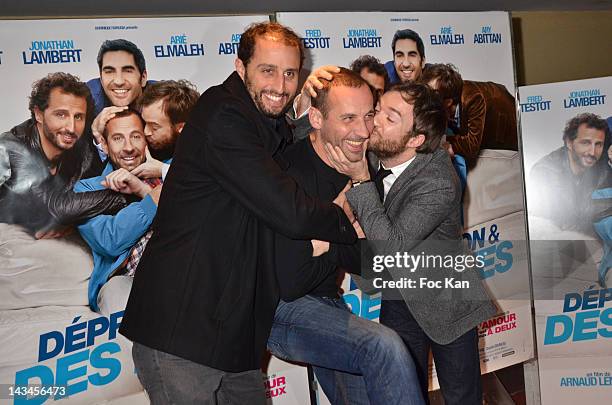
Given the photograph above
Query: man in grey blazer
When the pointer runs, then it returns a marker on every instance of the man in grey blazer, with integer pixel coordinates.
(418, 203)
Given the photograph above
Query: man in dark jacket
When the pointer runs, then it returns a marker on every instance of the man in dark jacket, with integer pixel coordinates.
(44, 156)
(205, 292)
(563, 180)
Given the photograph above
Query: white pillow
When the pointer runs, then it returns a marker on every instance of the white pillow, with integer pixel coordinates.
(494, 187)
(35, 273)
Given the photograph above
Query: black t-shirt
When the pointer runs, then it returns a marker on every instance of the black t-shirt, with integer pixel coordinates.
(297, 271)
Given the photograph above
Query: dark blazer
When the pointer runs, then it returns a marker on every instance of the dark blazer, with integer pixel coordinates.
(206, 289)
(423, 204)
(487, 120)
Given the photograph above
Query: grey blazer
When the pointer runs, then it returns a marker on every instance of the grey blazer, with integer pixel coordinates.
(424, 204)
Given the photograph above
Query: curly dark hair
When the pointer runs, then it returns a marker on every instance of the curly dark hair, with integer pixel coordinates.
(373, 65)
(67, 83)
(246, 48)
(590, 120)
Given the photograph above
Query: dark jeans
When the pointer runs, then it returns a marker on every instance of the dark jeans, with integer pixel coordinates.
(356, 361)
(457, 363)
(170, 379)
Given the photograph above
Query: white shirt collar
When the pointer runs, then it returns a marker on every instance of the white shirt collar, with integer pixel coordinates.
(395, 173)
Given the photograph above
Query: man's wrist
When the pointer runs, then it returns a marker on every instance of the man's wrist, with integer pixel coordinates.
(361, 177)
(145, 190)
(355, 183)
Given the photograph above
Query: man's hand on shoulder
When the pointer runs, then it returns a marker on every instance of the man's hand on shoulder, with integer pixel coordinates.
(99, 123)
(125, 182)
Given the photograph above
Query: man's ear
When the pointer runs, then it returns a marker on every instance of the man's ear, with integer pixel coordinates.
(38, 115)
(416, 141)
(315, 117)
(179, 127)
(143, 79)
(240, 68)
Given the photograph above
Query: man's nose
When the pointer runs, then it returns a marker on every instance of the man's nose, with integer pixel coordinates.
(70, 124)
(118, 79)
(279, 83)
(128, 146)
(362, 128)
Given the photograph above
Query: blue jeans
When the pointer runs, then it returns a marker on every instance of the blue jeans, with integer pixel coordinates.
(356, 361)
(457, 363)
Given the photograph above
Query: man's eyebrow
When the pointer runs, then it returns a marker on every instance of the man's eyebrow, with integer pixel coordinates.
(395, 111)
(266, 65)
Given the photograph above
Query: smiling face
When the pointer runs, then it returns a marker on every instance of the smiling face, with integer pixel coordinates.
(271, 76)
(62, 123)
(121, 80)
(407, 60)
(124, 141)
(349, 120)
(586, 149)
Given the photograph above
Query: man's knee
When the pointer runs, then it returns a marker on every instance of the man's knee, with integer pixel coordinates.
(385, 341)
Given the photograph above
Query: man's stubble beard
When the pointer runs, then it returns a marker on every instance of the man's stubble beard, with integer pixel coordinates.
(386, 149)
(257, 99)
(51, 137)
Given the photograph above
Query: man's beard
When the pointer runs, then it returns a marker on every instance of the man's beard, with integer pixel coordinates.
(387, 149)
(165, 152)
(578, 160)
(51, 137)
(257, 98)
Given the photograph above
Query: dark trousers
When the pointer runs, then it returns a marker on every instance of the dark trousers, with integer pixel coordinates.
(457, 363)
(172, 380)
